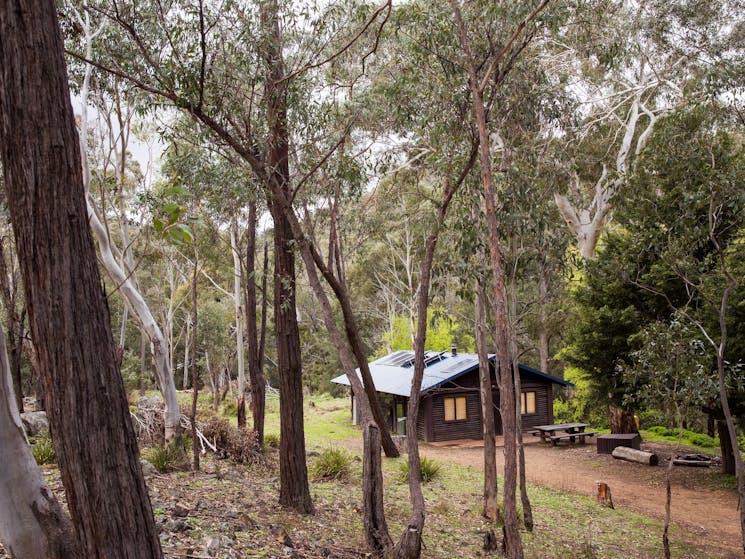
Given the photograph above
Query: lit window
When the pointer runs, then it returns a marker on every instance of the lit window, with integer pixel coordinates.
(455, 408)
(527, 403)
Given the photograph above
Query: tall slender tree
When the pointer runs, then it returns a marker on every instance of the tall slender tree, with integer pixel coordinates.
(513, 43)
(69, 318)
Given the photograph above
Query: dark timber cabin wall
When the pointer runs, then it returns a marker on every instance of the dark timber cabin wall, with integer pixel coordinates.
(432, 426)
(543, 401)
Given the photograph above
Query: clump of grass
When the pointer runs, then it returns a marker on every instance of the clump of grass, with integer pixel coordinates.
(271, 440)
(332, 463)
(230, 408)
(43, 449)
(166, 458)
(428, 470)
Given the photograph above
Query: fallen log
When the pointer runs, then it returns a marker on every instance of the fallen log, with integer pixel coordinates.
(633, 455)
(693, 460)
(692, 463)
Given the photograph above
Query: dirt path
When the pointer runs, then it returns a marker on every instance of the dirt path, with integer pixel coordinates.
(707, 517)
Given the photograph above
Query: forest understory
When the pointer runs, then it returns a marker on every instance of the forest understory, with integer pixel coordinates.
(229, 510)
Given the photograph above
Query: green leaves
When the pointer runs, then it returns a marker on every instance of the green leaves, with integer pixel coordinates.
(169, 223)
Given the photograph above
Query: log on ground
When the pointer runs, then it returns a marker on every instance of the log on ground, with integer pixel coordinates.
(633, 455)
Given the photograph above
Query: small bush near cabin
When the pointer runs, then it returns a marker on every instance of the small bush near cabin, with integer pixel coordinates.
(428, 470)
(332, 463)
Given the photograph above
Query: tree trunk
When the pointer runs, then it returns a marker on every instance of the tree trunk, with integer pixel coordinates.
(513, 542)
(69, 319)
(194, 365)
(264, 311)
(15, 326)
(491, 501)
(722, 385)
(376, 529)
(410, 544)
(621, 421)
(32, 523)
(725, 445)
(514, 352)
(187, 348)
(522, 477)
(633, 455)
(255, 368)
(543, 339)
(237, 296)
(293, 471)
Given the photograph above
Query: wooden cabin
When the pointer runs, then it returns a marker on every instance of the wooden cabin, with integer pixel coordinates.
(450, 406)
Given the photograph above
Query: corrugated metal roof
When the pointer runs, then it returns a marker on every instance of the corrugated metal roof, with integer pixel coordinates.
(393, 373)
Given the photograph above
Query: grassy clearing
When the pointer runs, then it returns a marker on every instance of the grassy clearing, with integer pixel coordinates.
(567, 525)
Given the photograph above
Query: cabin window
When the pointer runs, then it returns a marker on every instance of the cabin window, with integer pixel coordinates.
(527, 403)
(399, 410)
(455, 408)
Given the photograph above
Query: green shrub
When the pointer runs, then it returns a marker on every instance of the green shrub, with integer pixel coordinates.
(700, 439)
(332, 463)
(43, 449)
(689, 437)
(271, 440)
(166, 458)
(230, 408)
(563, 412)
(428, 470)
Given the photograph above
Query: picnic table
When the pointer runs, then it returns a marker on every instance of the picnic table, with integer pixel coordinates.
(559, 431)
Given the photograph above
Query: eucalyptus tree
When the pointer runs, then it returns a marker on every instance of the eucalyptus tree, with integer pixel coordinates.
(32, 522)
(487, 70)
(113, 261)
(241, 89)
(69, 319)
(12, 301)
(641, 61)
(195, 168)
(699, 182)
(679, 240)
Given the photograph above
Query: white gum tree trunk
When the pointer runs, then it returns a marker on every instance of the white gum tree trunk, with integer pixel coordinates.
(32, 523)
(237, 287)
(132, 297)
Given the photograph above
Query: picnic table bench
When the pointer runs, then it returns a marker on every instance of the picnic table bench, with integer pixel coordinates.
(559, 431)
(581, 436)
